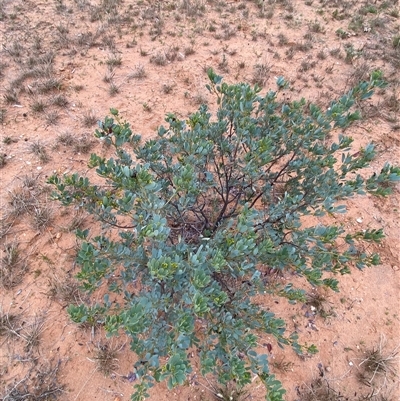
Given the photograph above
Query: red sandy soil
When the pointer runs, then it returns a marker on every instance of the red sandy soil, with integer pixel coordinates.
(299, 41)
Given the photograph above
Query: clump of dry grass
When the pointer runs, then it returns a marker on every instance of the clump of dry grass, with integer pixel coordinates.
(6, 223)
(261, 74)
(89, 118)
(229, 392)
(23, 199)
(9, 324)
(11, 96)
(319, 303)
(64, 289)
(12, 267)
(52, 117)
(139, 72)
(282, 365)
(320, 390)
(159, 58)
(378, 365)
(39, 384)
(39, 150)
(3, 113)
(47, 85)
(38, 106)
(106, 357)
(66, 138)
(3, 160)
(41, 217)
(60, 100)
(32, 332)
(83, 144)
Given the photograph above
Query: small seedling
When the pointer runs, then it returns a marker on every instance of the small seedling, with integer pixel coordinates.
(147, 107)
(30, 181)
(109, 41)
(78, 88)
(321, 55)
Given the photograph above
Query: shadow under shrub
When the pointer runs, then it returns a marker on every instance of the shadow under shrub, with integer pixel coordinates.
(192, 221)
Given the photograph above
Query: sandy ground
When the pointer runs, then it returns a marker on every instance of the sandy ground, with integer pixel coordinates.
(64, 64)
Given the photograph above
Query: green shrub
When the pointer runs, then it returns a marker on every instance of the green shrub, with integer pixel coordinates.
(192, 222)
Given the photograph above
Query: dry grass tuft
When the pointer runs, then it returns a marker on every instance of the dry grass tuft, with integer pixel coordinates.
(320, 390)
(64, 289)
(39, 384)
(13, 266)
(39, 150)
(9, 324)
(106, 357)
(261, 74)
(89, 118)
(378, 366)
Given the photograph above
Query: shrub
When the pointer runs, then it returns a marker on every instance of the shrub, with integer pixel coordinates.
(192, 222)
